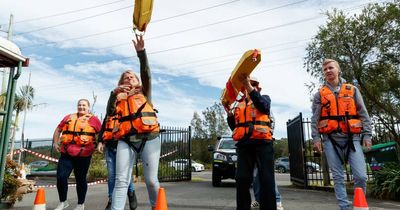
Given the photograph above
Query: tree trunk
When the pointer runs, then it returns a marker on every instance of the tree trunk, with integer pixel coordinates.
(14, 131)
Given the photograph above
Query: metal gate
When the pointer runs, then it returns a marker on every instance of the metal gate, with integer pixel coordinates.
(175, 157)
(298, 175)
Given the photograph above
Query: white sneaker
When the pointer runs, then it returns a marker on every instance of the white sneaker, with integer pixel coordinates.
(80, 207)
(62, 205)
(279, 206)
(255, 205)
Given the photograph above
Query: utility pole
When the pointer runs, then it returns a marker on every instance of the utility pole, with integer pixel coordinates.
(5, 70)
(5, 76)
(25, 111)
(10, 27)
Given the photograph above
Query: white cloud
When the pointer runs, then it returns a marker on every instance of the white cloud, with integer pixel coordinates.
(108, 68)
(281, 71)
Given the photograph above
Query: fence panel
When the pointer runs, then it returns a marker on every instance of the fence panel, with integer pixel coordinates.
(175, 159)
(381, 134)
(296, 152)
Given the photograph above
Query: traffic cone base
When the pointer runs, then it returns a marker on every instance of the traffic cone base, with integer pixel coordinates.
(40, 200)
(359, 203)
(161, 203)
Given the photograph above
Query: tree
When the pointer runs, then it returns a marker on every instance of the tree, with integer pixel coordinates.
(215, 121)
(367, 46)
(197, 127)
(206, 130)
(281, 148)
(23, 100)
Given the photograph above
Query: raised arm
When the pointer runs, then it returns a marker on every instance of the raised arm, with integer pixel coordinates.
(145, 73)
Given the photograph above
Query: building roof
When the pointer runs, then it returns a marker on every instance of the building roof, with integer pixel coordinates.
(10, 54)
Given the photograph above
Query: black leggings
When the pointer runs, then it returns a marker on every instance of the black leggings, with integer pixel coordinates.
(80, 165)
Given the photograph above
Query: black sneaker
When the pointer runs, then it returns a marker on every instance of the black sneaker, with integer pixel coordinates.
(132, 200)
(108, 207)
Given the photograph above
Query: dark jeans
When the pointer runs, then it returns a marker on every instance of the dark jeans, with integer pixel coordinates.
(250, 155)
(80, 165)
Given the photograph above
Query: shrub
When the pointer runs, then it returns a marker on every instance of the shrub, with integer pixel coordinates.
(386, 182)
(200, 150)
(11, 183)
(98, 168)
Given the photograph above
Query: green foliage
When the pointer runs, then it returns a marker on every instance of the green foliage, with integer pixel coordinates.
(212, 125)
(200, 150)
(24, 98)
(367, 47)
(206, 131)
(98, 167)
(281, 148)
(386, 182)
(197, 127)
(11, 183)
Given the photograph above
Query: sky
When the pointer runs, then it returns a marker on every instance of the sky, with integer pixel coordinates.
(78, 49)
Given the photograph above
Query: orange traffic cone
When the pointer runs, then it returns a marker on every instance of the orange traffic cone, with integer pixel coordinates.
(161, 203)
(359, 203)
(40, 200)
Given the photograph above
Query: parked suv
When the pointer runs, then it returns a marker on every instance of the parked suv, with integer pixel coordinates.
(224, 160)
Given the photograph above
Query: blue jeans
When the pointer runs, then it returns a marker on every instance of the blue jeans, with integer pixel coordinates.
(126, 157)
(256, 188)
(357, 163)
(111, 159)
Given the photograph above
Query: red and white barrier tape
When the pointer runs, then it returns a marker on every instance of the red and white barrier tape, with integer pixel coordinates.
(56, 160)
(73, 185)
(41, 155)
(169, 153)
(16, 152)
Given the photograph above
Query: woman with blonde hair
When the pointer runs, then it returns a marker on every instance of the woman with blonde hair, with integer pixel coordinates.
(137, 129)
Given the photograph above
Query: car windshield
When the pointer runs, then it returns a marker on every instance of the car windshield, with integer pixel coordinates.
(227, 144)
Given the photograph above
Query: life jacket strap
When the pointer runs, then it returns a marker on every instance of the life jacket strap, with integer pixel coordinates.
(250, 123)
(138, 151)
(345, 149)
(79, 133)
(137, 115)
(340, 117)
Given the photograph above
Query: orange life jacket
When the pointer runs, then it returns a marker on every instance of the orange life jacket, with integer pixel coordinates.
(339, 114)
(111, 124)
(135, 115)
(251, 123)
(78, 130)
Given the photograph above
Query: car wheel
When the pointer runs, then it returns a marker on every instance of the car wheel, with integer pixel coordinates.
(281, 169)
(310, 170)
(216, 179)
(193, 169)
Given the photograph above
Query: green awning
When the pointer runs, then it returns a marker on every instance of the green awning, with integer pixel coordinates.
(384, 145)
